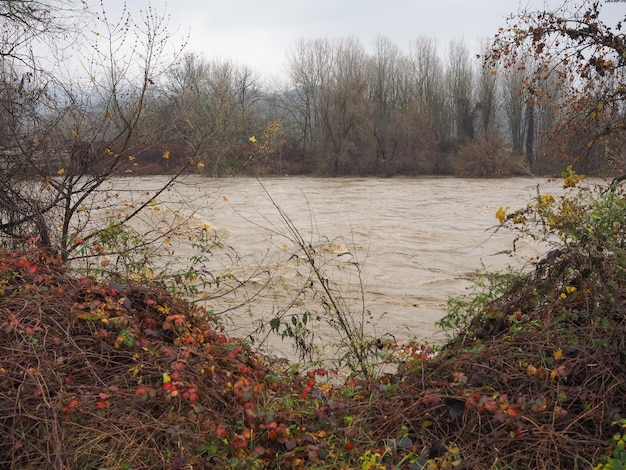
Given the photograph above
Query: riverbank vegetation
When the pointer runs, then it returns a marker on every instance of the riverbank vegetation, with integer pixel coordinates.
(122, 374)
(345, 109)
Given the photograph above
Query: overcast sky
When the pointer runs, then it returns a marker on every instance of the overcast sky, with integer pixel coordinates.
(259, 33)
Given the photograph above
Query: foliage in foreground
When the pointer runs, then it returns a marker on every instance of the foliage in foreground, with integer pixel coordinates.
(127, 376)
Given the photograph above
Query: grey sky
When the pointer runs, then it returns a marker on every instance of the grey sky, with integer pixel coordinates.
(258, 33)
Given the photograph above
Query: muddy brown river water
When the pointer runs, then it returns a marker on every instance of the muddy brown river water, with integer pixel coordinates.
(396, 249)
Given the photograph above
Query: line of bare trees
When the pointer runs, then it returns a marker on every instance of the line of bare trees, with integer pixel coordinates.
(387, 112)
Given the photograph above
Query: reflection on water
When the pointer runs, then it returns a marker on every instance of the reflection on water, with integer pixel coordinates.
(416, 241)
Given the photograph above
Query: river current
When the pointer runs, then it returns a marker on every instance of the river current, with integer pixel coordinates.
(393, 250)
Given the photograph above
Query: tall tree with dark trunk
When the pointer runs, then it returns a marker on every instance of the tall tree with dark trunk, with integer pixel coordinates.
(461, 87)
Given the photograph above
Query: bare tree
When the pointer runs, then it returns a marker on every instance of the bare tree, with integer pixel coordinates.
(460, 80)
(487, 96)
(214, 107)
(343, 100)
(513, 98)
(386, 97)
(67, 135)
(50, 25)
(310, 64)
(430, 85)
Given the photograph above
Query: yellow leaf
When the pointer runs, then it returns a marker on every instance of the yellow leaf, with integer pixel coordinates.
(501, 213)
(559, 411)
(558, 354)
(570, 289)
(224, 198)
(166, 155)
(61, 171)
(131, 158)
(200, 165)
(166, 378)
(531, 370)
(326, 388)
(546, 198)
(253, 139)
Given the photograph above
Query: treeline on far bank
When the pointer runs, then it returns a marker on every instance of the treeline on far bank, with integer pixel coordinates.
(348, 110)
(343, 110)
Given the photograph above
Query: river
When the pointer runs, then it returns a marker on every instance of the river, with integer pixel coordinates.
(394, 250)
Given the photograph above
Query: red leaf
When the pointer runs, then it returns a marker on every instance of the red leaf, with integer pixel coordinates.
(513, 413)
(490, 405)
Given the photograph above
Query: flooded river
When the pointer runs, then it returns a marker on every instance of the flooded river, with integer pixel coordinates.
(394, 250)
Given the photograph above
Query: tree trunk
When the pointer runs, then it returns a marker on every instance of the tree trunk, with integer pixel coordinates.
(530, 132)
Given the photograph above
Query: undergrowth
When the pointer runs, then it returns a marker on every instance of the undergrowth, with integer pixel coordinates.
(123, 374)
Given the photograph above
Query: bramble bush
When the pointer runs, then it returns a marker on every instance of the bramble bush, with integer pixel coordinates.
(549, 339)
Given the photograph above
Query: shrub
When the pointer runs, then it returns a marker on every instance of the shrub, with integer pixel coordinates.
(489, 156)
